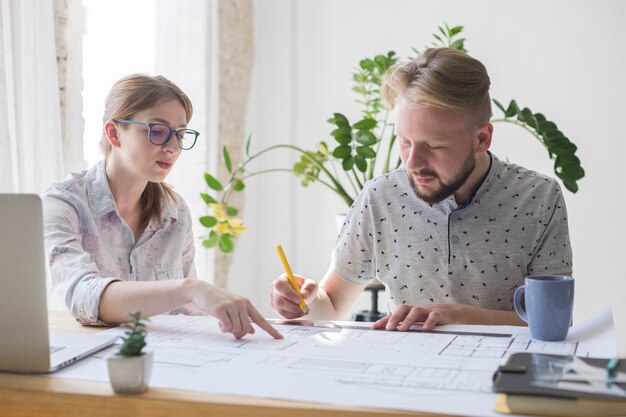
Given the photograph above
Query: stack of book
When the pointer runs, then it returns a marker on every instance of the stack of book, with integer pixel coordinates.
(552, 385)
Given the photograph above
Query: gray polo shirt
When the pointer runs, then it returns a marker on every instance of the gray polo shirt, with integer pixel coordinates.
(475, 253)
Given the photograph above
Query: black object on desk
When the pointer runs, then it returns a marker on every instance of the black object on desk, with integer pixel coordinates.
(371, 315)
(555, 385)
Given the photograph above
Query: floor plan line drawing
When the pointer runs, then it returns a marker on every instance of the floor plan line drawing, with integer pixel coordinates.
(348, 365)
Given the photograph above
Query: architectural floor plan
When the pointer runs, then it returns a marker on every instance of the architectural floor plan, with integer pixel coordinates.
(342, 364)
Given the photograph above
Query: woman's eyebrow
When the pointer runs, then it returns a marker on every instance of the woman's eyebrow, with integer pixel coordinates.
(165, 122)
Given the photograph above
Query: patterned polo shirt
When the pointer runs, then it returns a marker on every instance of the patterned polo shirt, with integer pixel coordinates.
(89, 245)
(476, 253)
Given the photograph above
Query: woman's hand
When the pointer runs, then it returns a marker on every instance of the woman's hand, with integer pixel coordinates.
(234, 313)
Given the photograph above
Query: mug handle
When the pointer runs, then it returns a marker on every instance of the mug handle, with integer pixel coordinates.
(517, 303)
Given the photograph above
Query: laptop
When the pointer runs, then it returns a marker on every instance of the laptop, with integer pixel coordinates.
(25, 344)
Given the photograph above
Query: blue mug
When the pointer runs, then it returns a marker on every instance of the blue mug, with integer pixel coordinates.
(549, 303)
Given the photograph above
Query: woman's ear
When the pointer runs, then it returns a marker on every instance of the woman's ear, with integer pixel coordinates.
(111, 132)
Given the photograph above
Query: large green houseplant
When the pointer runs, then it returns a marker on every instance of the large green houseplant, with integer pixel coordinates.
(359, 151)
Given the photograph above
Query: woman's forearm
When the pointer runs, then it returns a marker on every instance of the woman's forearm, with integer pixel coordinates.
(150, 297)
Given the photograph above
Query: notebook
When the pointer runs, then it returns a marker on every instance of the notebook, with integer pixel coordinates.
(25, 343)
(553, 385)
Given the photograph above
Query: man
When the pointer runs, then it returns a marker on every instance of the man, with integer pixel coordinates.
(454, 231)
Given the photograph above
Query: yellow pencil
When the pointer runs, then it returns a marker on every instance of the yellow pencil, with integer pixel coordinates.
(292, 280)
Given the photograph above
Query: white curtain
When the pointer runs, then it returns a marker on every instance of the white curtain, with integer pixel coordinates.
(209, 55)
(31, 148)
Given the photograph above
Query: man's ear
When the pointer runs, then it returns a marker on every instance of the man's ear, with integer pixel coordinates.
(111, 132)
(483, 135)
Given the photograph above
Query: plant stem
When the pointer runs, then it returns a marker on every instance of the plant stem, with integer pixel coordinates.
(380, 140)
(389, 149)
(356, 177)
(338, 188)
(309, 176)
(356, 190)
(524, 125)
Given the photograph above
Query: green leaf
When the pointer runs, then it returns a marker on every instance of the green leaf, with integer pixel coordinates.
(572, 171)
(300, 167)
(365, 137)
(226, 244)
(340, 120)
(566, 159)
(545, 126)
(361, 163)
(365, 124)
(458, 44)
(342, 135)
(208, 199)
(238, 185)
(455, 30)
(212, 182)
(443, 32)
(512, 110)
(436, 37)
(540, 117)
(211, 241)
(231, 211)
(500, 106)
(208, 221)
(365, 151)
(570, 185)
(563, 148)
(347, 163)
(342, 151)
(248, 145)
(227, 162)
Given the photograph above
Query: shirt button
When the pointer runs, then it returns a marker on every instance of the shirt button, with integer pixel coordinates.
(455, 239)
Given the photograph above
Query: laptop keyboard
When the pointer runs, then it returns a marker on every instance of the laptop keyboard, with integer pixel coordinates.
(56, 349)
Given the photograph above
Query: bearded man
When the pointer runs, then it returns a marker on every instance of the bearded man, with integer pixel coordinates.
(453, 232)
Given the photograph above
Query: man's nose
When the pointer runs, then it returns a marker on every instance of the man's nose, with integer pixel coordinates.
(416, 159)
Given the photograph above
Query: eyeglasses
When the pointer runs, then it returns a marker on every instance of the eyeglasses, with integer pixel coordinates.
(159, 134)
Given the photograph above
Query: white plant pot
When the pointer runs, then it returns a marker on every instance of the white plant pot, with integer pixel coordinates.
(130, 375)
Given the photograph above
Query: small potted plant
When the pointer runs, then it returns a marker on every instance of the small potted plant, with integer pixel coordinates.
(130, 367)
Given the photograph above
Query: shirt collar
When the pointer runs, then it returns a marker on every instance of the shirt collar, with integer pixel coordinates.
(495, 166)
(101, 199)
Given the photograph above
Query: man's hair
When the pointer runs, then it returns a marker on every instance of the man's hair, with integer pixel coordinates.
(443, 78)
(128, 96)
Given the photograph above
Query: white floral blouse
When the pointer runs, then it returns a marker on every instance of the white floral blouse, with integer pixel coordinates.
(89, 245)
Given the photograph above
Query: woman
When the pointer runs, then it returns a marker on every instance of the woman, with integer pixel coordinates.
(117, 238)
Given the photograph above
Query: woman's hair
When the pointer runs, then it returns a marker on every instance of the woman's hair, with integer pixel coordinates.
(128, 96)
(443, 78)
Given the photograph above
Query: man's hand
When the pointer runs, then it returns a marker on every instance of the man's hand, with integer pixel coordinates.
(435, 314)
(285, 300)
(431, 315)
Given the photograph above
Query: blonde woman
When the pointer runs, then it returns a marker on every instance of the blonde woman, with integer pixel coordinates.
(117, 238)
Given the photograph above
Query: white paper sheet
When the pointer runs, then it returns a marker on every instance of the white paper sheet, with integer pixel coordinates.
(344, 364)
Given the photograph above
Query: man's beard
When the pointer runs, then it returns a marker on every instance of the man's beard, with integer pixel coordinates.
(446, 189)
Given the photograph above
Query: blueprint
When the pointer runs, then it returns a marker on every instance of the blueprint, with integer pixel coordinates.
(347, 364)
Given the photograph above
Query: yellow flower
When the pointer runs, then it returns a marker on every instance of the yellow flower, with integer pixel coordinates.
(236, 226)
(218, 212)
(231, 227)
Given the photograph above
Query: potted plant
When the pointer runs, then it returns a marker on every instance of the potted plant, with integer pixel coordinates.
(359, 151)
(130, 367)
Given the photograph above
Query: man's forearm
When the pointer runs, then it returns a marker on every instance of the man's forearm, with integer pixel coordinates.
(486, 316)
(322, 308)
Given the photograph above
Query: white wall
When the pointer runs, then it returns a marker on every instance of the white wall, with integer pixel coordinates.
(566, 59)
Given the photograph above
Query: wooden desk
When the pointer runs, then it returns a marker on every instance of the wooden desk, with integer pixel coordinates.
(41, 395)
